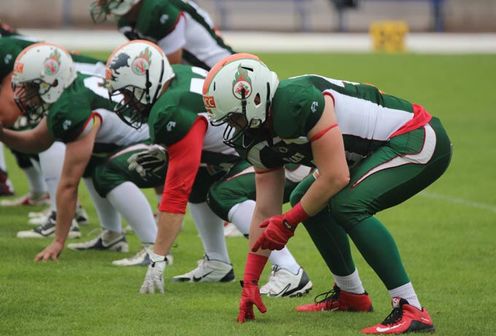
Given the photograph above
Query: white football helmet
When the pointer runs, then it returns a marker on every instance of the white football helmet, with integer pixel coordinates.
(240, 83)
(138, 70)
(100, 9)
(41, 73)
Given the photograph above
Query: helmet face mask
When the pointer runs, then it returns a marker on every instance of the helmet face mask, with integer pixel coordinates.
(129, 108)
(28, 98)
(41, 74)
(138, 70)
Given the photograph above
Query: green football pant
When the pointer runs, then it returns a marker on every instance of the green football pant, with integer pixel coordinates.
(236, 188)
(392, 174)
(108, 173)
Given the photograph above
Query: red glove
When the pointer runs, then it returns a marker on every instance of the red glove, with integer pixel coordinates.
(249, 296)
(278, 229)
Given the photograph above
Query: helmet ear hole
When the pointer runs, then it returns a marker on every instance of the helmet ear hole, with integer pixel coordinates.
(257, 100)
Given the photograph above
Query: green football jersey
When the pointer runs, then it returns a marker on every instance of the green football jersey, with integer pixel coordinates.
(177, 24)
(366, 117)
(175, 111)
(72, 115)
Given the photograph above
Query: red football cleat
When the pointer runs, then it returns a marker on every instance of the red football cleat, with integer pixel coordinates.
(6, 188)
(27, 200)
(403, 319)
(338, 300)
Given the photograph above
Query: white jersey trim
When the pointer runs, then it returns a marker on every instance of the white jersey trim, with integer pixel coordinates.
(421, 157)
(176, 39)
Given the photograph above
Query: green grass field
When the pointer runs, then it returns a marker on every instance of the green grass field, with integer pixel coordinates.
(446, 235)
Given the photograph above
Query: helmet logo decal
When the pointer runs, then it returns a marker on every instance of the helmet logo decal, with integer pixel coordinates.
(209, 102)
(52, 64)
(142, 62)
(120, 61)
(18, 68)
(241, 82)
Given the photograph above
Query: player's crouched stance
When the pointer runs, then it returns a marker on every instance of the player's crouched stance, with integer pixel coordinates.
(168, 98)
(394, 149)
(74, 108)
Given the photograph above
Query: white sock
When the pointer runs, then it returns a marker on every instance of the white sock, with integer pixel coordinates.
(240, 215)
(350, 283)
(131, 203)
(406, 292)
(211, 230)
(35, 179)
(3, 164)
(108, 216)
(51, 162)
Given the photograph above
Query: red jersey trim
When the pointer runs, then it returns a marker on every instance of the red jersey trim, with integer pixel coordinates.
(92, 116)
(321, 133)
(327, 93)
(420, 118)
(181, 14)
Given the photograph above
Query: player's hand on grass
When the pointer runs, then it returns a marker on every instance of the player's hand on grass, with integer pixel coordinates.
(250, 296)
(154, 278)
(51, 252)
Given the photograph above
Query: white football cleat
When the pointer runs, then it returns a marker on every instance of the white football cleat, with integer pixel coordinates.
(107, 240)
(283, 283)
(142, 258)
(230, 230)
(208, 270)
(47, 229)
(37, 218)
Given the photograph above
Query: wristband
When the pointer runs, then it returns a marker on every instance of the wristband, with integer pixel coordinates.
(154, 258)
(255, 264)
(295, 215)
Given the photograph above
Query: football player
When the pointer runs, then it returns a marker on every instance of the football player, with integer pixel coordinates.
(74, 108)
(372, 151)
(182, 29)
(42, 181)
(169, 99)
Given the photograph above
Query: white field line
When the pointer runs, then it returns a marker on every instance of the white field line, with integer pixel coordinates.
(458, 200)
(436, 43)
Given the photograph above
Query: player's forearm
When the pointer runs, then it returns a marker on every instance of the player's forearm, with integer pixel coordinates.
(256, 231)
(66, 208)
(319, 193)
(169, 225)
(24, 141)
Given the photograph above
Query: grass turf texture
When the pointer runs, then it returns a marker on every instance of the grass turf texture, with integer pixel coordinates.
(446, 236)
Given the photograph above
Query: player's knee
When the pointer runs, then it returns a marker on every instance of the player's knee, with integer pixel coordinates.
(347, 214)
(99, 181)
(214, 201)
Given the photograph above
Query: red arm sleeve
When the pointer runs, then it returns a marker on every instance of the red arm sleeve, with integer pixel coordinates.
(184, 161)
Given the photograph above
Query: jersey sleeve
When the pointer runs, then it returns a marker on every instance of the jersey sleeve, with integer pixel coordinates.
(175, 39)
(298, 110)
(68, 117)
(169, 123)
(157, 18)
